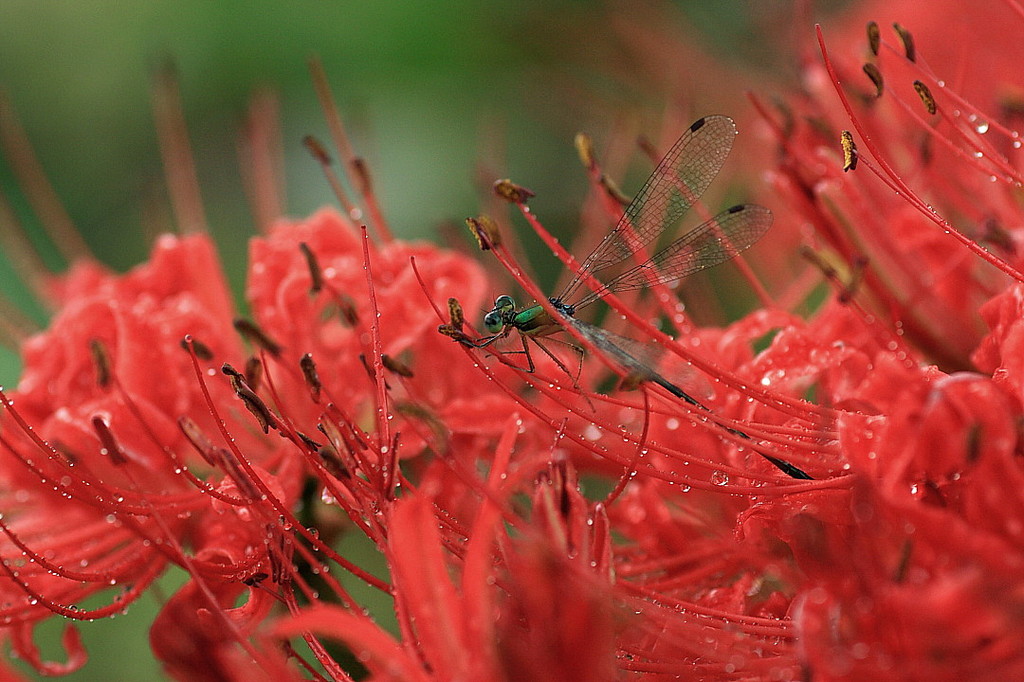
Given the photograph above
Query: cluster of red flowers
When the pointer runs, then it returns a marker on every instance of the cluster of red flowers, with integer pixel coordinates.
(533, 526)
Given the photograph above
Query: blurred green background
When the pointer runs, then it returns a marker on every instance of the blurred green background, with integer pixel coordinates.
(425, 89)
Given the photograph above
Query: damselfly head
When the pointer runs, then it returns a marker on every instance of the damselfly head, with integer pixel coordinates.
(496, 319)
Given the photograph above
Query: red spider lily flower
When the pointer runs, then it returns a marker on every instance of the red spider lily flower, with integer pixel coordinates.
(903, 571)
(841, 499)
(99, 489)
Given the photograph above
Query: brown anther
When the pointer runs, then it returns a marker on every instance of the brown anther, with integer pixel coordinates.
(310, 444)
(256, 336)
(312, 377)
(111, 448)
(876, 77)
(201, 350)
(485, 231)
(908, 42)
(456, 316)
(362, 175)
(369, 368)
(819, 261)
(101, 360)
(585, 149)
(230, 371)
(347, 309)
(926, 96)
(253, 372)
(238, 475)
(613, 190)
(317, 149)
(315, 274)
(199, 440)
(255, 579)
(847, 285)
(857, 269)
(850, 154)
(332, 461)
(455, 334)
(874, 37)
(252, 402)
(511, 192)
(396, 366)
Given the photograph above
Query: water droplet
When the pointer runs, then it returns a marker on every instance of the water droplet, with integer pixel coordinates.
(719, 478)
(982, 128)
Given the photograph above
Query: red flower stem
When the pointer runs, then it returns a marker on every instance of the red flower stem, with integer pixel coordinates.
(269, 496)
(179, 166)
(780, 484)
(119, 571)
(325, 477)
(139, 586)
(849, 243)
(898, 184)
(388, 453)
(84, 487)
(261, 160)
(355, 169)
(697, 416)
(478, 563)
(217, 611)
(927, 74)
(373, 484)
(988, 152)
(318, 650)
(178, 467)
(39, 192)
(755, 625)
(630, 471)
(784, 404)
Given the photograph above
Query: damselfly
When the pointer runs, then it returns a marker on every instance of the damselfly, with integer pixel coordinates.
(673, 188)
